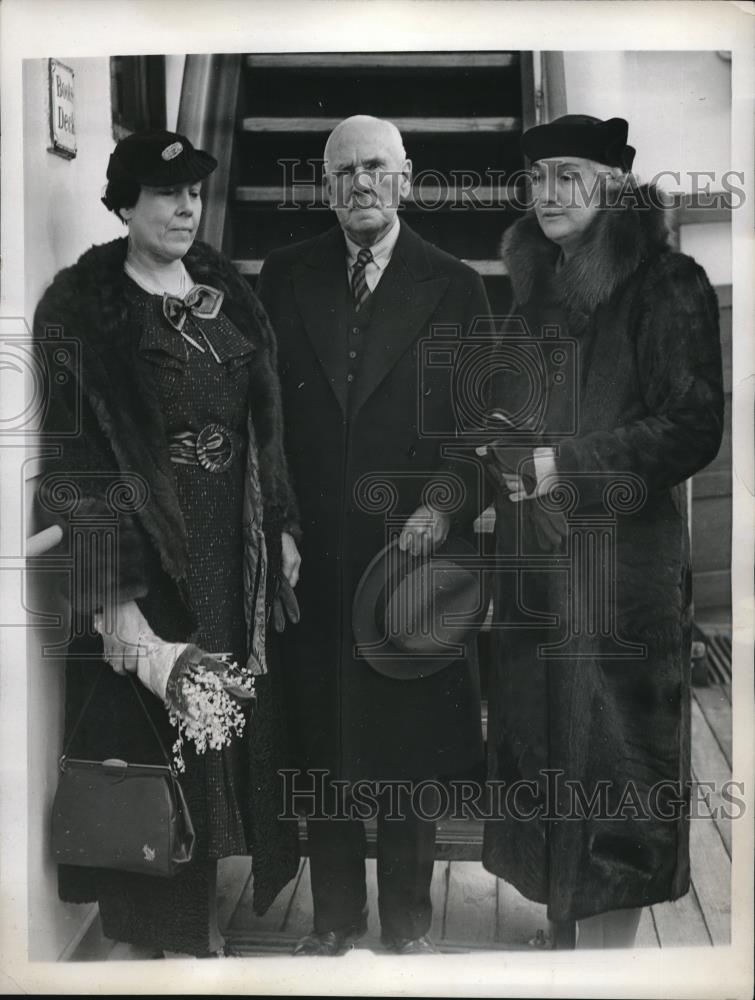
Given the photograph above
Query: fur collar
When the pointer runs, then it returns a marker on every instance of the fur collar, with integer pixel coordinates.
(98, 278)
(88, 301)
(620, 240)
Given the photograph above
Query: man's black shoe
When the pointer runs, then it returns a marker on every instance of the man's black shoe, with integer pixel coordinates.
(408, 946)
(333, 942)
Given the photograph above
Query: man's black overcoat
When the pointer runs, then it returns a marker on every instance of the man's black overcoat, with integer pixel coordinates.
(351, 446)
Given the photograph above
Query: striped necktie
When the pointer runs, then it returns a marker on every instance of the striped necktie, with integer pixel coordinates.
(359, 287)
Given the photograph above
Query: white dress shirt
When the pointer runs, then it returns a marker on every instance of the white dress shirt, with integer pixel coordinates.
(381, 256)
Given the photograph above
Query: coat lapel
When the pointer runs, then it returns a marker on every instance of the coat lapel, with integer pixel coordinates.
(320, 287)
(406, 296)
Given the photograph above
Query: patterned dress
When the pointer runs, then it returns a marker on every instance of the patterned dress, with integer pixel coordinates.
(200, 387)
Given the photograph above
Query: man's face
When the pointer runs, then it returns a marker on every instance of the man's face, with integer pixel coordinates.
(567, 196)
(366, 178)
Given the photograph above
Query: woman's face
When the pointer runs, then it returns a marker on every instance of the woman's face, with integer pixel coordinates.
(163, 222)
(567, 194)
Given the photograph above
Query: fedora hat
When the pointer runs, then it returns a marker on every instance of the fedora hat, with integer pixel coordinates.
(412, 616)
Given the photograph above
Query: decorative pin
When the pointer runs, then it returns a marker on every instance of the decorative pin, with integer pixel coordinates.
(172, 151)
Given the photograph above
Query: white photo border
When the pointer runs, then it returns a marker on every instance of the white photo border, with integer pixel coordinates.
(43, 28)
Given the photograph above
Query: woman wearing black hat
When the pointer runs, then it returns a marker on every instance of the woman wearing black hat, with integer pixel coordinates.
(591, 699)
(175, 390)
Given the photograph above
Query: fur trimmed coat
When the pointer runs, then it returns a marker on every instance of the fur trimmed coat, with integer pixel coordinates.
(591, 689)
(104, 417)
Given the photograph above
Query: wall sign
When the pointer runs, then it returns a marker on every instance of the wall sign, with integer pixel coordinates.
(62, 125)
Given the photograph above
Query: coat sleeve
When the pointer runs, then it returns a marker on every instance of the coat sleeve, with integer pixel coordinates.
(274, 470)
(679, 363)
(81, 489)
(477, 331)
(266, 303)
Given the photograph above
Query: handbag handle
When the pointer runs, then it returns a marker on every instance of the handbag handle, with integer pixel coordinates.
(152, 725)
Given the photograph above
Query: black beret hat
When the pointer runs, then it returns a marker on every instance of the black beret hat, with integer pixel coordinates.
(155, 157)
(583, 136)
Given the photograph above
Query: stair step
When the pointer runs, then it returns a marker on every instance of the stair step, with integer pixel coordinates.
(487, 268)
(423, 196)
(407, 125)
(461, 113)
(455, 840)
(379, 60)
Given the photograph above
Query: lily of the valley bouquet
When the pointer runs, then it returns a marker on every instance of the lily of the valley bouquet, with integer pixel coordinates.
(204, 693)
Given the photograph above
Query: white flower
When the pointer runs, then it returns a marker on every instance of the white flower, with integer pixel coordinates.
(210, 716)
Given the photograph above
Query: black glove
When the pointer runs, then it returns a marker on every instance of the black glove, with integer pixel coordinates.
(510, 459)
(517, 460)
(285, 605)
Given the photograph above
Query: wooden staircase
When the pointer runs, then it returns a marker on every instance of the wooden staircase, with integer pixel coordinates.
(461, 115)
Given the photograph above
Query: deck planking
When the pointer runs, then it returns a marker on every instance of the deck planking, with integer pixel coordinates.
(711, 771)
(647, 932)
(519, 919)
(714, 702)
(472, 909)
(234, 875)
(472, 904)
(439, 898)
(681, 922)
(711, 876)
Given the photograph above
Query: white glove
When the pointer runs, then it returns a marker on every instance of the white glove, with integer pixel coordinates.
(131, 646)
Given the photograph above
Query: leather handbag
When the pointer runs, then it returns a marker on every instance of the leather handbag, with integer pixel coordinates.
(118, 815)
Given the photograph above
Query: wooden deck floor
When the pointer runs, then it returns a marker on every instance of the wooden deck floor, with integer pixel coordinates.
(473, 909)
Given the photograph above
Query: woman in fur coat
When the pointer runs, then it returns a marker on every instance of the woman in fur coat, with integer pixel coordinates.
(167, 416)
(590, 707)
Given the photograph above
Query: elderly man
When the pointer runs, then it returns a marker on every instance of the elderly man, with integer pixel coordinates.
(350, 309)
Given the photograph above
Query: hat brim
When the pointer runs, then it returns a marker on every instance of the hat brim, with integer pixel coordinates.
(369, 609)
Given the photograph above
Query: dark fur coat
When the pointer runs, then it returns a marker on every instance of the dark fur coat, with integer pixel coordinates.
(593, 683)
(105, 420)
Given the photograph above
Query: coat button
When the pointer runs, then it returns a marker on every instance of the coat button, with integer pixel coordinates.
(352, 354)
(349, 377)
(411, 451)
(355, 329)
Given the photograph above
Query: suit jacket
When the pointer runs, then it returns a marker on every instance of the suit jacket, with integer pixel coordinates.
(360, 453)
